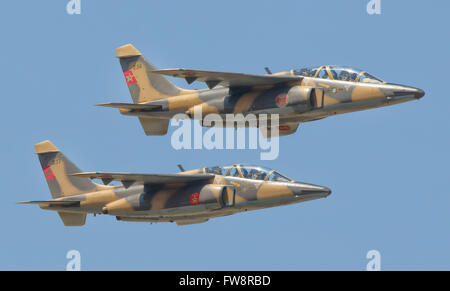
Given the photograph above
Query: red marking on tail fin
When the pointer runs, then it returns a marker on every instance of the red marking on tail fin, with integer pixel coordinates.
(48, 173)
(129, 77)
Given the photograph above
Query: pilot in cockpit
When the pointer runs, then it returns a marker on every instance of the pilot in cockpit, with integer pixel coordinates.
(344, 76)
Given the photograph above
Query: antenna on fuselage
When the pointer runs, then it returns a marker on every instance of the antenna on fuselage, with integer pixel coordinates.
(268, 71)
(180, 167)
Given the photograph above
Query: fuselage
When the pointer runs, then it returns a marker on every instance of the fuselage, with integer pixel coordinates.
(308, 99)
(222, 195)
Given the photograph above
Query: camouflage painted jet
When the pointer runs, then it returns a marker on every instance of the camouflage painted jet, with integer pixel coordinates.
(296, 95)
(185, 198)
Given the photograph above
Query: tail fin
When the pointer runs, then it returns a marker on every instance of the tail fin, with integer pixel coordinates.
(144, 85)
(57, 167)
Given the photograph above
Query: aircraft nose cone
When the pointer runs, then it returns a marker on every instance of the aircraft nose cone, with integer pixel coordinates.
(309, 189)
(406, 91)
(326, 191)
(419, 93)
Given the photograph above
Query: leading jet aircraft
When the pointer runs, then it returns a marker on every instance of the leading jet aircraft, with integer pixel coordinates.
(188, 197)
(298, 95)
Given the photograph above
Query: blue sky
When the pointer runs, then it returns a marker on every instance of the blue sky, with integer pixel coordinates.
(388, 168)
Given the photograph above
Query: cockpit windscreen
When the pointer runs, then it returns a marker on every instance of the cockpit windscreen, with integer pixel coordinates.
(338, 73)
(248, 172)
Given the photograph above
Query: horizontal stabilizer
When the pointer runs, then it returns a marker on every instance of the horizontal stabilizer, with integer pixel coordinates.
(132, 106)
(213, 79)
(52, 202)
(128, 179)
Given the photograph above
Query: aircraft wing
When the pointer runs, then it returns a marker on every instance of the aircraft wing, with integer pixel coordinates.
(127, 178)
(213, 79)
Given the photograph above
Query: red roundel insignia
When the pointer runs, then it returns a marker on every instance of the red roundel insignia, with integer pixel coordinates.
(48, 173)
(194, 198)
(129, 77)
(281, 100)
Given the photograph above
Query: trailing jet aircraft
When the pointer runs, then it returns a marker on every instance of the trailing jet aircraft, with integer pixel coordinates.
(296, 95)
(185, 198)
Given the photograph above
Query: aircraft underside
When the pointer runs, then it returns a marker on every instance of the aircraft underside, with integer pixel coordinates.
(185, 218)
(290, 114)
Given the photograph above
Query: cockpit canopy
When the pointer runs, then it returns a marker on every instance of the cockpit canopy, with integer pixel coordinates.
(249, 172)
(338, 73)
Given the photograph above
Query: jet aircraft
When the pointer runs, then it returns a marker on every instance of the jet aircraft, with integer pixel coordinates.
(298, 95)
(188, 197)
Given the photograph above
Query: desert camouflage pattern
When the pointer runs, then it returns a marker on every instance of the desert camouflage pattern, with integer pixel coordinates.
(296, 95)
(187, 197)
